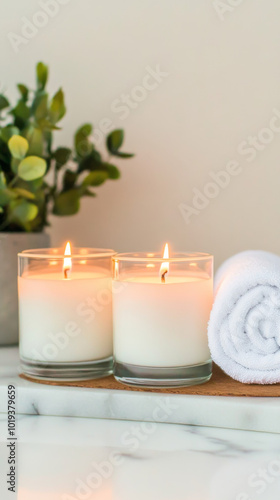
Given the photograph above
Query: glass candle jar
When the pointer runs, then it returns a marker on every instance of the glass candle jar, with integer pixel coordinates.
(161, 307)
(65, 313)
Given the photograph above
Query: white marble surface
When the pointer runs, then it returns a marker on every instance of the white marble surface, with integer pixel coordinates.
(90, 459)
(257, 414)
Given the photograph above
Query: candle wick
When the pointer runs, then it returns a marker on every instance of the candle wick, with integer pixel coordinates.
(163, 276)
(66, 271)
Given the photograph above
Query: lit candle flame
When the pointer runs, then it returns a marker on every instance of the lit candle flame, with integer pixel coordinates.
(67, 262)
(164, 268)
(116, 273)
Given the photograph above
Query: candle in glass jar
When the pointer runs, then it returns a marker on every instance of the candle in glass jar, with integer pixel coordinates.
(65, 313)
(160, 318)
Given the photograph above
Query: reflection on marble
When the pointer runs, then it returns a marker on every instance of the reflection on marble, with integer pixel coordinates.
(85, 459)
(257, 414)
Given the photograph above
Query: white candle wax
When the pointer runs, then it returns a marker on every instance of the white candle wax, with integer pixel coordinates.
(162, 324)
(65, 320)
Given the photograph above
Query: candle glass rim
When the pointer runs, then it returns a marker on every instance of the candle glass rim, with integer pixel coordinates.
(58, 253)
(157, 257)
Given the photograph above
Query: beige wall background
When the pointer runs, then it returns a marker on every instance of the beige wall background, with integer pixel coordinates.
(217, 108)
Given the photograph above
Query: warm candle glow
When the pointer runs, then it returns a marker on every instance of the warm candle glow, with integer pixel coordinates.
(164, 268)
(116, 273)
(67, 263)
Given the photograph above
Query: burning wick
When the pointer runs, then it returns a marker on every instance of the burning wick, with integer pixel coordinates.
(164, 268)
(163, 277)
(67, 263)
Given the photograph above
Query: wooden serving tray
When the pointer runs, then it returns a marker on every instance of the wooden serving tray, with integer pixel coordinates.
(219, 385)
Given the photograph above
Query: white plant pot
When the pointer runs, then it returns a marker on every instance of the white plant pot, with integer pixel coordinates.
(10, 245)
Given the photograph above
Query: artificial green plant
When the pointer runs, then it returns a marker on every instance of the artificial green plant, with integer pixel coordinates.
(37, 179)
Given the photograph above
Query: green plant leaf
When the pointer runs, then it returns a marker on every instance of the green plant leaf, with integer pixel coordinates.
(90, 162)
(69, 179)
(49, 140)
(23, 91)
(119, 154)
(67, 203)
(42, 75)
(18, 146)
(83, 146)
(115, 140)
(5, 155)
(95, 178)
(4, 103)
(21, 113)
(36, 141)
(40, 198)
(31, 168)
(40, 106)
(61, 155)
(14, 165)
(85, 130)
(46, 125)
(6, 196)
(3, 182)
(57, 107)
(7, 132)
(24, 193)
(34, 187)
(1, 210)
(87, 192)
(113, 171)
(23, 211)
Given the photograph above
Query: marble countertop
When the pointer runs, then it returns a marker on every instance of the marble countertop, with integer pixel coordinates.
(256, 414)
(66, 457)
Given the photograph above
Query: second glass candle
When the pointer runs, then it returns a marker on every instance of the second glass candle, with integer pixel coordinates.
(161, 307)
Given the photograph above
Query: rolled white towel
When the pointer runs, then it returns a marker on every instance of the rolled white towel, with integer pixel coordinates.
(244, 325)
